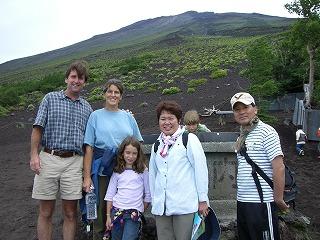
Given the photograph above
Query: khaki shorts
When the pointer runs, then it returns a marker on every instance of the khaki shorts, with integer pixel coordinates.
(56, 173)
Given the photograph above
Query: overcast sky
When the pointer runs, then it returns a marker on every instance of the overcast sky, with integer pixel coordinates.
(30, 27)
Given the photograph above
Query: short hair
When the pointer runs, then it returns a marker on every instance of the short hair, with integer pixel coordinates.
(299, 126)
(191, 117)
(116, 82)
(80, 67)
(171, 106)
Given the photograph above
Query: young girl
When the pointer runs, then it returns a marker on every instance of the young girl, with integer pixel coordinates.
(128, 192)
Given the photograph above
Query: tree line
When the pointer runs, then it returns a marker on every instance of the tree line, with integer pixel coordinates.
(289, 62)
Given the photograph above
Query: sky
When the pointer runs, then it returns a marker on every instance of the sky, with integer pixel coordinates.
(30, 27)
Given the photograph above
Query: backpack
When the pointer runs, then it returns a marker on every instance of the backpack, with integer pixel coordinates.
(302, 137)
(290, 188)
(184, 141)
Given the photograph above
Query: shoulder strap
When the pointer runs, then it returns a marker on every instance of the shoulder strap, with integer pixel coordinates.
(156, 145)
(184, 141)
(256, 169)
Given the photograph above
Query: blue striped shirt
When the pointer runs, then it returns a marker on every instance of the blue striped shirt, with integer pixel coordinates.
(263, 145)
(63, 121)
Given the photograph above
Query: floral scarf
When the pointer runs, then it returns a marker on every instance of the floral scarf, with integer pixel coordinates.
(168, 141)
(244, 132)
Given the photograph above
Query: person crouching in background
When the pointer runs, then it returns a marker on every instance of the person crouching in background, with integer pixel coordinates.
(192, 123)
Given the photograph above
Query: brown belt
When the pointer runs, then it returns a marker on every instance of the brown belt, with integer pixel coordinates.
(60, 153)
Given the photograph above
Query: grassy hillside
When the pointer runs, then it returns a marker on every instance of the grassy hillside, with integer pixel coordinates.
(150, 56)
(155, 66)
(186, 24)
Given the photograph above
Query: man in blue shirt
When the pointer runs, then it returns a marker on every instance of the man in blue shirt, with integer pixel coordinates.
(59, 131)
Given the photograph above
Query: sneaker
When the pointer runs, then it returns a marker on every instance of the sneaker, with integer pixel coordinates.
(302, 153)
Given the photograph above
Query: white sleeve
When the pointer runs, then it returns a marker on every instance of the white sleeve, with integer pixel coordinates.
(198, 160)
(152, 171)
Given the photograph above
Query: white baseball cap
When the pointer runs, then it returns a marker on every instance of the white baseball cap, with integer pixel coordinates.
(242, 97)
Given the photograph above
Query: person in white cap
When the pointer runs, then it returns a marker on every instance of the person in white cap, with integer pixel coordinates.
(256, 212)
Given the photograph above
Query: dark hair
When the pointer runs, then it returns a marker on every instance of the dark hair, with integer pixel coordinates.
(116, 82)
(299, 126)
(139, 165)
(80, 67)
(170, 106)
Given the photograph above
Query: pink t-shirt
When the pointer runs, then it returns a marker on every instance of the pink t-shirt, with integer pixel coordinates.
(128, 190)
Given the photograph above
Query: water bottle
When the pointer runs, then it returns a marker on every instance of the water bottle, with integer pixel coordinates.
(91, 203)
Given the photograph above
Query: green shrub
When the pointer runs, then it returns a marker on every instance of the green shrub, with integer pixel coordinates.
(96, 94)
(151, 89)
(243, 72)
(12, 94)
(219, 73)
(191, 90)
(316, 91)
(137, 86)
(94, 98)
(267, 89)
(267, 118)
(3, 111)
(32, 98)
(47, 87)
(196, 82)
(137, 63)
(51, 82)
(171, 90)
(189, 68)
(264, 113)
(9, 97)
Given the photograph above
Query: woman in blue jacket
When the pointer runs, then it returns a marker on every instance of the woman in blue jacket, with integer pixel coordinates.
(106, 129)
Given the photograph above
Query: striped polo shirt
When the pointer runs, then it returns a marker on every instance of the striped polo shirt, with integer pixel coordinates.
(263, 145)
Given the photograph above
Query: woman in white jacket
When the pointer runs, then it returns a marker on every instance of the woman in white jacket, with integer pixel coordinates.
(178, 177)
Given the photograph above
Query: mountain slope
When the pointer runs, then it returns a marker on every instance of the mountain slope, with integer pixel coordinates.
(188, 23)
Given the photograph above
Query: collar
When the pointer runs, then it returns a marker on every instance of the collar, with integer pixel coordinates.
(62, 95)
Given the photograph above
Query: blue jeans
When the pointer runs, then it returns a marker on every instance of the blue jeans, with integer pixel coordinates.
(299, 148)
(128, 230)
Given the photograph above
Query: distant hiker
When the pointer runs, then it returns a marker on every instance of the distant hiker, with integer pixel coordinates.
(192, 123)
(106, 129)
(128, 193)
(301, 138)
(59, 129)
(256, 210)
(178, 176)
